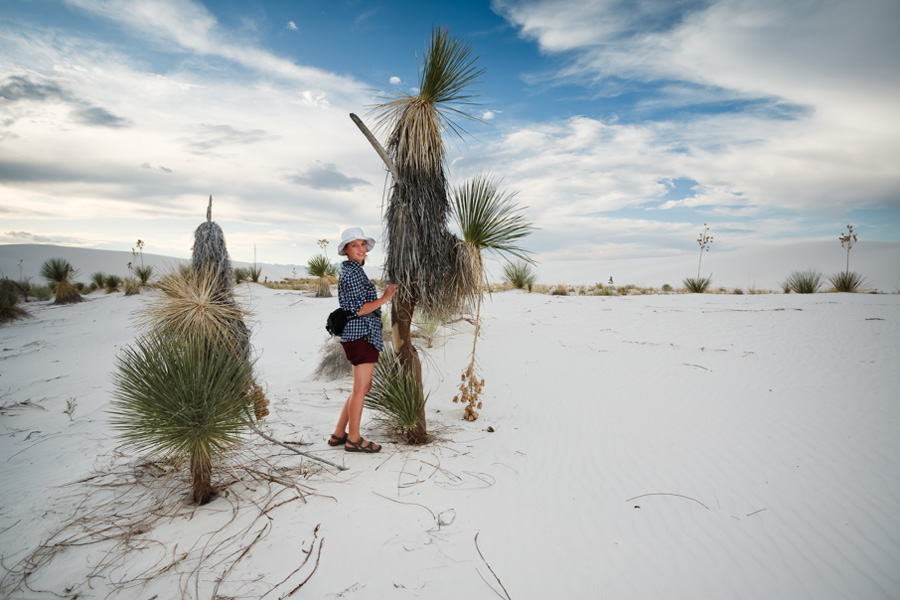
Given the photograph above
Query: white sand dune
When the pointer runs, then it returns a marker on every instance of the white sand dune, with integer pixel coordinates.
(675, 446)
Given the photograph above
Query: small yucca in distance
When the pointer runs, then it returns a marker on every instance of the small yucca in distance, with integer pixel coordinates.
(60, 274)
(319, 266)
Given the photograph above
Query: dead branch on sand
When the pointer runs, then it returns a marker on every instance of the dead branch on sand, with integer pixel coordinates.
(505, 593)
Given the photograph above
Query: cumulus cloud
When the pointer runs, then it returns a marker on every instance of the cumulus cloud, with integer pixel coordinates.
(292, 26)
(395, 80)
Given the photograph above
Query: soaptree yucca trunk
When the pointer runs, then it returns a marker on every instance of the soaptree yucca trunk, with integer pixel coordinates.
(423, 257)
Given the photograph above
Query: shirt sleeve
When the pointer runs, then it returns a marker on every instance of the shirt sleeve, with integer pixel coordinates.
(352, 290)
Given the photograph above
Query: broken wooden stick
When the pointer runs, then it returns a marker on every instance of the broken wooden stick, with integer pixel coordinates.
(378, 147)
(307, 455)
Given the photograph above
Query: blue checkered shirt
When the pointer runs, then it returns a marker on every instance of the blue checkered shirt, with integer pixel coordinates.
(354, 290)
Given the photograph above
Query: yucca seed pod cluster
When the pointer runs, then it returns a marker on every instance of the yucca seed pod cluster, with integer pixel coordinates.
(469, 392)
(259, 401)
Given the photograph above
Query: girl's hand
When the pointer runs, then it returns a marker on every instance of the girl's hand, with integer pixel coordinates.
(389, 292)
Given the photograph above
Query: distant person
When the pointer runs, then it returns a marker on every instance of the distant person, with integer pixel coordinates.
(361, 338)
(610, 280)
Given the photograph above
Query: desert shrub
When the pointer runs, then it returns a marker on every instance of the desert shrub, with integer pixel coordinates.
(738, 292)
(183, 398)
(803, 282)
(23, 288)
(667, 288)
(98, 280)
(60, 273)
(395, 395)
(624, 290)
(42, 292)
(519, 274)
(333, 364)
(144, 273)
(241, 275)
(426, 325)
(847, 281)
(319, 266)
(132, 286)
(9, 302)
(255, 273)
(698, 285)
(112, 283)
(560, 290)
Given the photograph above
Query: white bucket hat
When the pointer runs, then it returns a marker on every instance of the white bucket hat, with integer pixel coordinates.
(354, 233)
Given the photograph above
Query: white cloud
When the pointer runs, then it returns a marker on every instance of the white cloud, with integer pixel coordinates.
(488, 115)
(292, 26)
(236, 139)
(395, 80)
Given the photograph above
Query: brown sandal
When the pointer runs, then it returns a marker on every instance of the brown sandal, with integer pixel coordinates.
(362, 446)
(336, 441)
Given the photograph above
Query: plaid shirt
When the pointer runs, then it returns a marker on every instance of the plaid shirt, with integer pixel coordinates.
(354, 290)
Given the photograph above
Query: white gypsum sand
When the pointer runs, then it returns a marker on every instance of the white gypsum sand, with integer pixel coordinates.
(677, 446)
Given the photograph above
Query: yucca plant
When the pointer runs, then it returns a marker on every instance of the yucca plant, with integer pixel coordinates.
(422, 256)
(184, 398)
(60, 273)
(9, 300)
(144, 273)
(112, 283)
(803, 282)
(519, 274)
(241, 275)
(255, 273)
(192, 305)
(847, 281)
(319, 266)
(98, 280)
(488, 220)
(396, 395)
(698, 285)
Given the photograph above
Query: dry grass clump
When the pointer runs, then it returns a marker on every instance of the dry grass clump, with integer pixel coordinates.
(333, 364)
(132, 286)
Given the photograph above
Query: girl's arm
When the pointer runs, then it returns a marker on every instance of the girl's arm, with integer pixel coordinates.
(376, 304)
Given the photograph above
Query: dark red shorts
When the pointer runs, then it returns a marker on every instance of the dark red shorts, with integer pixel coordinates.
(360, 352)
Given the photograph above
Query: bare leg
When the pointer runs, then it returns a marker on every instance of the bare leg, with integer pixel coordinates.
(351, 413)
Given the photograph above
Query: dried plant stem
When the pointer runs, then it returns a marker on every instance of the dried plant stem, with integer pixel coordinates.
(668, 494)
(307, 455)
(505, 593)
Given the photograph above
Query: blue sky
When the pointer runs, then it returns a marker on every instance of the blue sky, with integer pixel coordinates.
(624, 126)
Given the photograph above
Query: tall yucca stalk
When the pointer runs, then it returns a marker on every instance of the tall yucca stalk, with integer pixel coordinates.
(421, 252)
(60, 273)
(182, 397)
(489, 220)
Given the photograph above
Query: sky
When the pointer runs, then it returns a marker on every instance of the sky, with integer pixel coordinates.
(622, 126)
